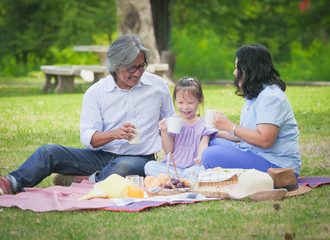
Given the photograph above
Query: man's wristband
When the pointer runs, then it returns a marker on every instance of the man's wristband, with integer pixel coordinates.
(232, 132)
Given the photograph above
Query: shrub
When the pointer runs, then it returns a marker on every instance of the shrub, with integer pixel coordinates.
(206, 56)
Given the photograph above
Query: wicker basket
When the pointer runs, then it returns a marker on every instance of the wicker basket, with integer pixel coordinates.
(214, 189)
(174, 190)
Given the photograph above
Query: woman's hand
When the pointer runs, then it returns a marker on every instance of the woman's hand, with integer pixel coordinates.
(221, 122)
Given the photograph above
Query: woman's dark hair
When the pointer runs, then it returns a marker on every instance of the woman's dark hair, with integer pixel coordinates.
(255, 68)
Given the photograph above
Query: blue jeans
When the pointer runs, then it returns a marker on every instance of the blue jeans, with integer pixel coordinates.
(223, 153)
(54, 158)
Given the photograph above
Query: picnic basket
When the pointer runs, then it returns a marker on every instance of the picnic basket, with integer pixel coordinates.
(214, 189)
(174, 190)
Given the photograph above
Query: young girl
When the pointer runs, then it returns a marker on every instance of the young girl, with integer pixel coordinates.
(187, 146)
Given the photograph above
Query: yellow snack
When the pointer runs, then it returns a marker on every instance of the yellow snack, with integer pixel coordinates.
(163, 178)
(154, 183)
(113, 186)
(148, 180)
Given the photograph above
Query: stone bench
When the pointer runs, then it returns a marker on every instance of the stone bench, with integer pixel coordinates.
(160, 69)
(99, 71)
(64, 76)
(157, 68)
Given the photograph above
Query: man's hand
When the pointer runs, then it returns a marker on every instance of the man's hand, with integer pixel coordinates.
(125, 131)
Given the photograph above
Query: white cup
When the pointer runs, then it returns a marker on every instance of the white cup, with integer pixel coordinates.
(209, 117)
(174, 125)
(136, 139)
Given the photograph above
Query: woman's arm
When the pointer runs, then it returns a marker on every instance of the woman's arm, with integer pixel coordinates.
(203, 144)
(226, 135)
(263, 137)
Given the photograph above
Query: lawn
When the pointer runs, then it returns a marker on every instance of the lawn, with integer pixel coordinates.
(29, 119)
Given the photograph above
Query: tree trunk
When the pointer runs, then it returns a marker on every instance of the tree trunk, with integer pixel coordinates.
(162, 25)
(135, 17)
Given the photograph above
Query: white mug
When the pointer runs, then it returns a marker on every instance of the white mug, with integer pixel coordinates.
(174, 125)
(209, 118)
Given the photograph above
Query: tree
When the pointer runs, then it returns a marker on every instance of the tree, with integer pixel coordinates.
(33, 27)
(162, 23)
(137, 18)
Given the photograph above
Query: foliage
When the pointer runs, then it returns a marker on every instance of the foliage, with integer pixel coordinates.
(30, 27)
(210, 57)
(204, 36)
(206, 57)
(35, 28)
(306, 64)
(29, 119)
(297, 40)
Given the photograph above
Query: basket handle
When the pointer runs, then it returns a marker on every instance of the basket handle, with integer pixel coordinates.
(168, 165)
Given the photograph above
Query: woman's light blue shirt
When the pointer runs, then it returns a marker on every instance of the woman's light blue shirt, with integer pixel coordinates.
(272, 106)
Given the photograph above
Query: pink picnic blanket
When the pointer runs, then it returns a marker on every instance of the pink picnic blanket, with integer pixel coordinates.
(58, 198)
(55, 198)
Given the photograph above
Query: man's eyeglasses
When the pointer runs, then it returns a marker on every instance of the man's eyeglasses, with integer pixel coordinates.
(142, 67)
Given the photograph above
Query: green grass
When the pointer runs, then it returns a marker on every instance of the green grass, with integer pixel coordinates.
(29, 119)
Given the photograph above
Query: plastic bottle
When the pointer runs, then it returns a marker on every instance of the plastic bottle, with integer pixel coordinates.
(192, 178)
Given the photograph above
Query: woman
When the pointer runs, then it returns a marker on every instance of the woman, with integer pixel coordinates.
(268, 131)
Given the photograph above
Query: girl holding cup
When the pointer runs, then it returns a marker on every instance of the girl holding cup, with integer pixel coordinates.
(188, 144)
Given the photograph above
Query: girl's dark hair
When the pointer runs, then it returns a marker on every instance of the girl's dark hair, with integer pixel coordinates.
(189, 84)
(255, 68)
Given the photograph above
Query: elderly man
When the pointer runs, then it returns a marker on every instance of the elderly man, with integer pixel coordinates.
(129, 101)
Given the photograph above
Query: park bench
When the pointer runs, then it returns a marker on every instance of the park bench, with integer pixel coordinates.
(157, 68)
(64, 76)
